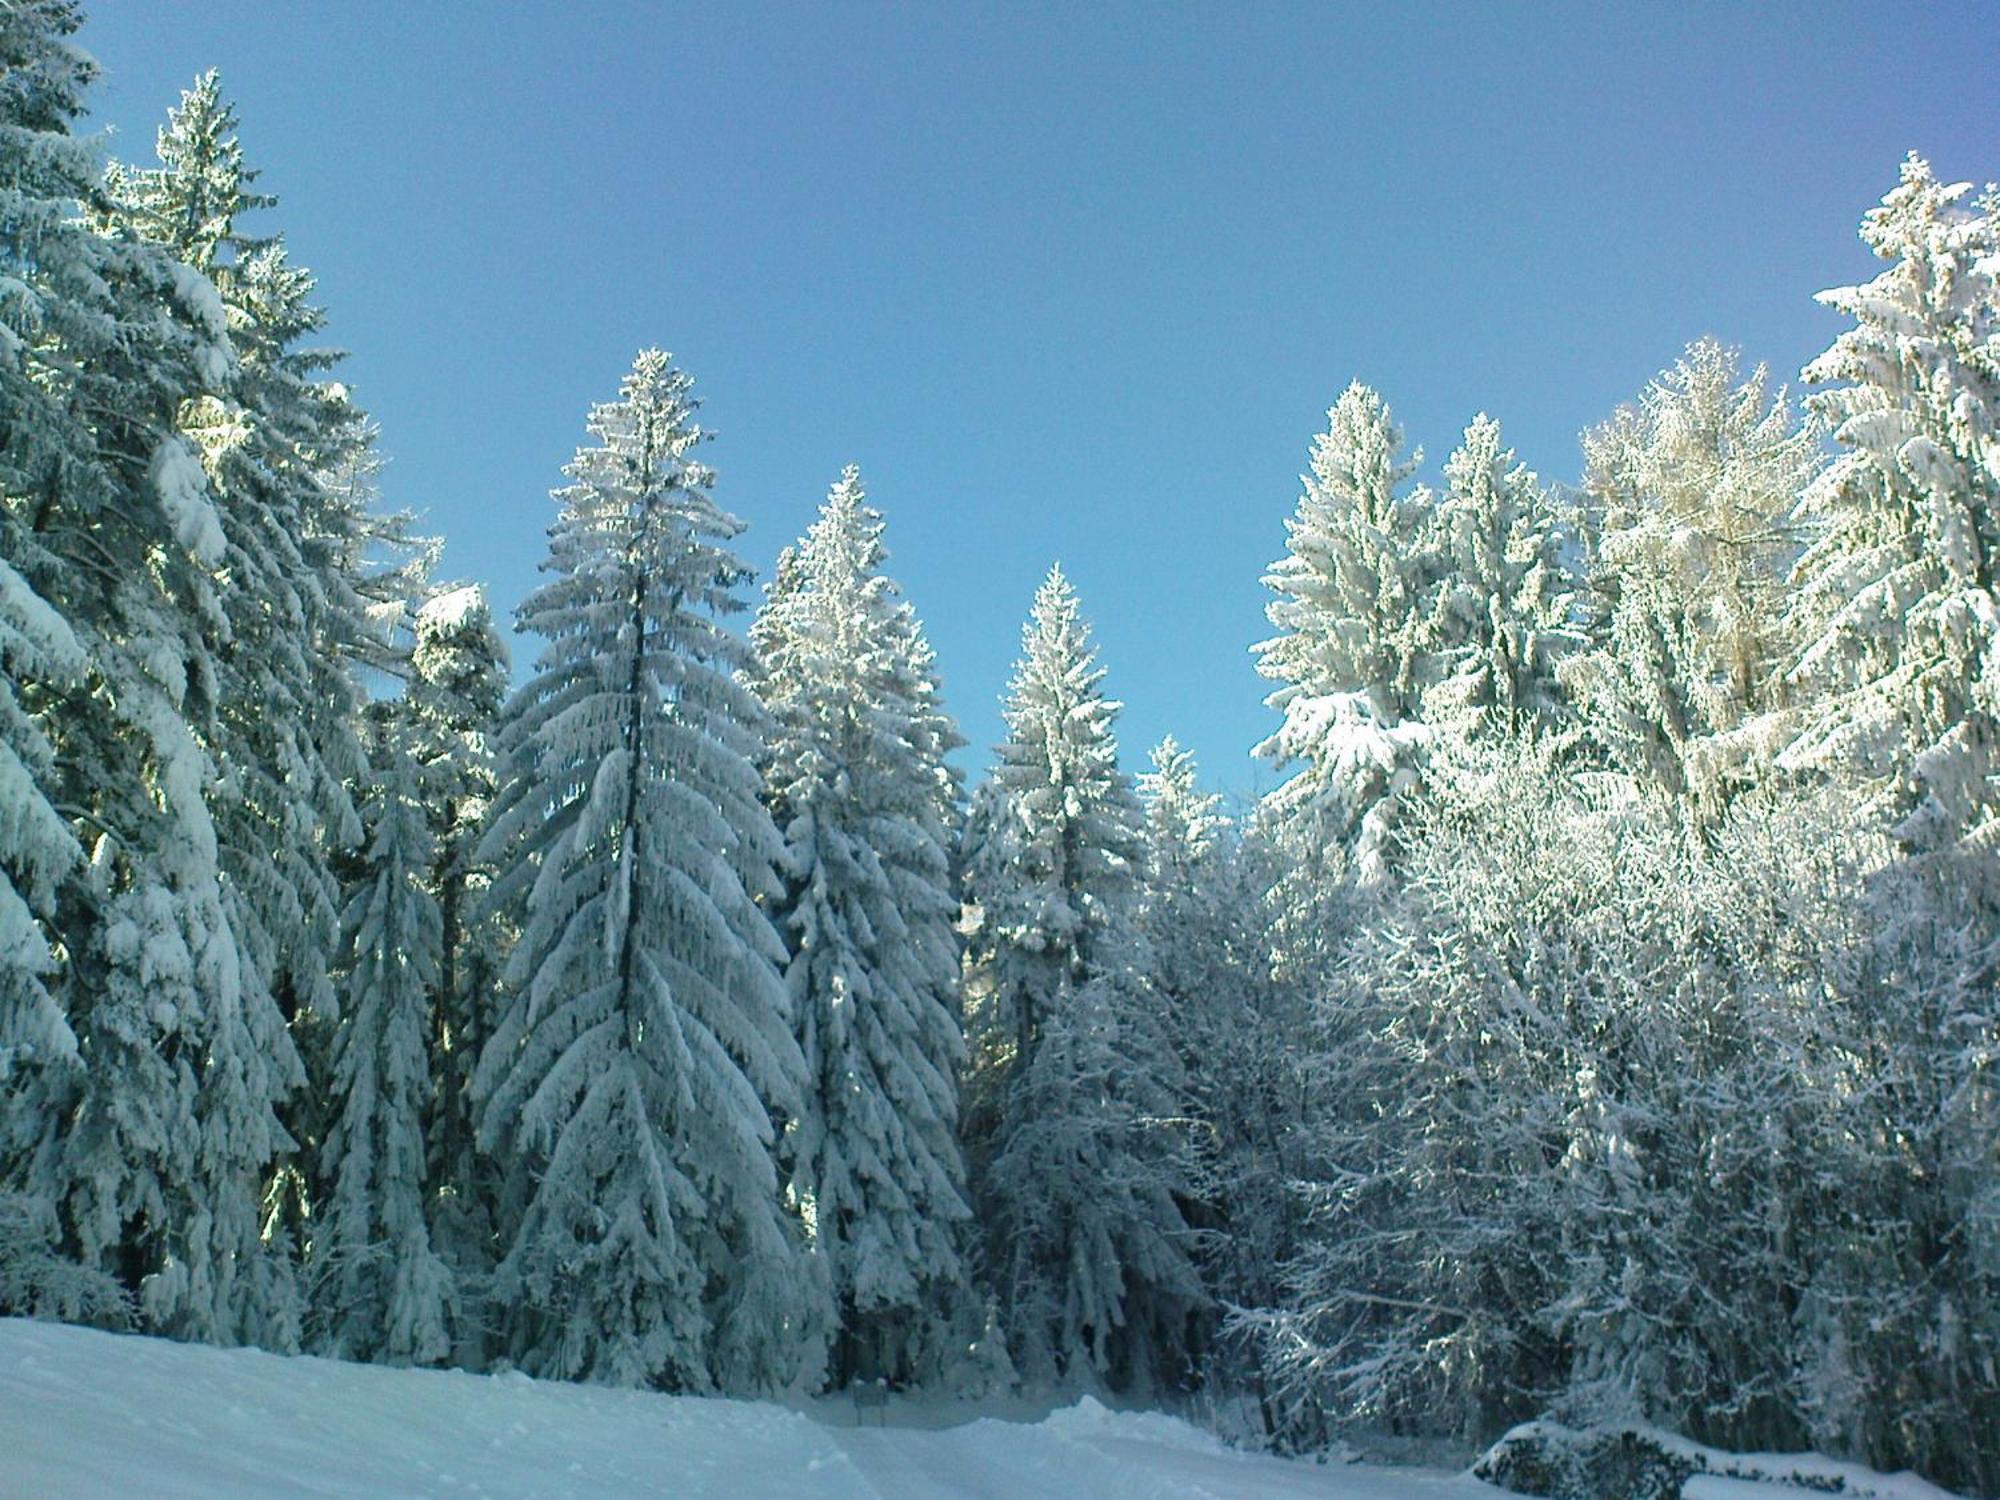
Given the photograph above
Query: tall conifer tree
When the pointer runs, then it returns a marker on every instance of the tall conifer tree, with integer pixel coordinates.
(154, 1151)
(1081, 1146)
(457, 684)
(865, 801)
(1500, 621)
(381, 1289)
(1898, 610)
(276, 442)
(645, 1048)
(1350, 657)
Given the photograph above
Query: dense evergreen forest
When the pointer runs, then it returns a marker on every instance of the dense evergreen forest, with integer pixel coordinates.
(1600, 1020)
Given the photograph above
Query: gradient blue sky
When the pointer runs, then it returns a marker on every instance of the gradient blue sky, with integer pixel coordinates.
(1066, 280)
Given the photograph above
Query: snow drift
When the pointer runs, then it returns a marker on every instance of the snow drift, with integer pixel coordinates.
(86, 1414)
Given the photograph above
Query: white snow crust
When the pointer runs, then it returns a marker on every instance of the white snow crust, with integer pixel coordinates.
(87, 1414)
(452, 609)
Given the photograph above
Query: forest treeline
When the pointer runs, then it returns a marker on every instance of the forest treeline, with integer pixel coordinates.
(1600, 1020)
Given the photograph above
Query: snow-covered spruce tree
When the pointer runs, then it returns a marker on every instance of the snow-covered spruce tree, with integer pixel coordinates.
(42, 174)
(1690, 492)
(380, 1291)
(1897, 610)
(274, 443)
(38, 1050)
(1350, 654)
(55, 302)
(457, 682)
(645, 1046)
(275, 440)
(154, 1150)
(860, 789)
(1500, 620)
(1233, 1027)
(1080, 1150)
(1186, 843)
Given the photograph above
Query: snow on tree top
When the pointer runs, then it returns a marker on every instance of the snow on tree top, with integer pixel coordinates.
(452, 610)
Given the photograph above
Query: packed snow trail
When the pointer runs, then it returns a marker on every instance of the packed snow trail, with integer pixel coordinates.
(86, 1414)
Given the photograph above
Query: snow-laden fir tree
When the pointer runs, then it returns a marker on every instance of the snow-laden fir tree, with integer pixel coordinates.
(1080, 1142)
(155, 1150)
(1185, 831)
(275, 440)
(44, 174)
(1187, 914)
(645, 1046)
(1897, 609)
(1205, 920)
(860, 790)
(37, 848)
(380, 1289)
(1350, 654)
(457, 682)
(1500, 620)
(37, 1047)
(1690, 492)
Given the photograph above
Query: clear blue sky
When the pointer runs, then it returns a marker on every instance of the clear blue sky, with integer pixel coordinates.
(1072, 281)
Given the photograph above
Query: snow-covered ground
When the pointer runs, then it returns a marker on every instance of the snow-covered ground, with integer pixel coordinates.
(87, 1414)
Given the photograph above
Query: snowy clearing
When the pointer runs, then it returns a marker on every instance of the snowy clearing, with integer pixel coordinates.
(84, 1413)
